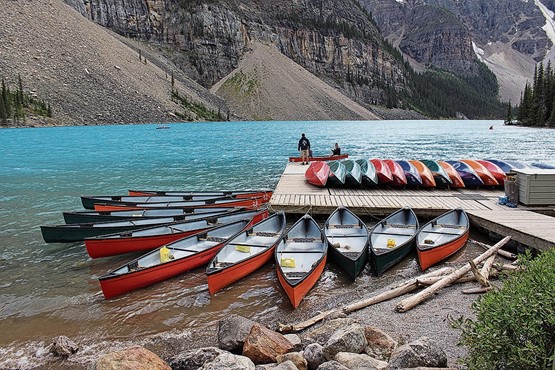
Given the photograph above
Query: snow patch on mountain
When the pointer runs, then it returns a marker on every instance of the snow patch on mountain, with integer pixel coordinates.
(478, 51)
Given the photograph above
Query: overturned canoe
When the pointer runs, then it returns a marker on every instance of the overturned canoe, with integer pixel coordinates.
(317, 174)
(442, 237)
(456, 180)
(441, 177)
(383, 171)
(369, 174)
(347, 237)
(392, 239)
(467, 174)
(170, 260)
(495, 170)
(301, 258)
(486, 176)
(154, 237)
(245, 253)
(353, 175)
(397, 173)
(337, 175)
(426, 175)
(411, 173)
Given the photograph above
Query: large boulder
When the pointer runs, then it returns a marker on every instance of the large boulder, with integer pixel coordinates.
(132, 358)
(322, 333)
(232, 331)
(423, 352)
(296, 358)
(229, 361)
(192, 360)
(63, 346)
(332, 365)
(359, 361)
(380, 344)
(314, 355)
(263, 345)
(349, 339)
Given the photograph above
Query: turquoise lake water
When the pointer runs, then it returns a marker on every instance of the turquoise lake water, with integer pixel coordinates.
(48, 290)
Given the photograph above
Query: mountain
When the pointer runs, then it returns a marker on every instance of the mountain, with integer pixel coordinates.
(509, 36)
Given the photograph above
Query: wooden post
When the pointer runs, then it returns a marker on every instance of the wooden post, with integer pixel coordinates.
(416, 299)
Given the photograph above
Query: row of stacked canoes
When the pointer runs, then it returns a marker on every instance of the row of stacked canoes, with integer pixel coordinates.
(412, 173)
(233, 242)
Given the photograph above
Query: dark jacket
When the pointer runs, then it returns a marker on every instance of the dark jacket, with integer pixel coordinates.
(304, 144)
(336, 151)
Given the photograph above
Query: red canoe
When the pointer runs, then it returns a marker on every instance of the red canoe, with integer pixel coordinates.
(427, 176)
(265, 194)
(442, 237)
(170, 260)
(383, 171)
(321, 158)
(397, 173)
(495, 170)
(301, 258)
(245, 253)
(456, 180)
(317, 174)
(154, 237)
(482, 171)
(248, 203)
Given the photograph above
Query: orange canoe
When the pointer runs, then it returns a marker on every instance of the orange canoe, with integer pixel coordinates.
(427, 176)
(456, 180)
(301, 258)
(442, 237)
(482, 171)
(245, 253)
(495, 170)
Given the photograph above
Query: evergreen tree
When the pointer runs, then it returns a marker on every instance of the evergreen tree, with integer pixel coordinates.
(509, 114)
(3, 104)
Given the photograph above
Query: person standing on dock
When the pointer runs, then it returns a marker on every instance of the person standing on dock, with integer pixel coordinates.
(304, 148)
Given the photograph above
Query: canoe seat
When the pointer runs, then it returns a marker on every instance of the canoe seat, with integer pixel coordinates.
(306, 240)
(214, 239)
(223, 264)
(448, 226)
(402, 226)
(440, 232)
(344, 226)
(263, 233)
(293, 275)
(351, 254)
(390, 233)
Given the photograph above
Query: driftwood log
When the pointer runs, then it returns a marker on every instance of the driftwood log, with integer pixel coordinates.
(406, 287)
(501, 252)
(418, 298)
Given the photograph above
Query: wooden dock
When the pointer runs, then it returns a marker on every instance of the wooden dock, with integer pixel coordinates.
(294, 195)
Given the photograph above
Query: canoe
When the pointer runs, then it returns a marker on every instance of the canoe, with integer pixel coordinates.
(441, 177)
(486, 176)
(139, 214)
(248, 203)
(154, 237)
(456, 180)
(411, 173)
(426, 175)
(398, 177)
(90, 201)
(337, 175)
(369, 175)
(467, 174)
(495, 170)
(353, 176)
(266, 194)
(543, 166)
(442, 237)
(383, 171)
(245, 253)
(168, 261)
(300, 258)
(78, 232)
(321, 158)
(392, 239)
(347, 237)
(506, 167)
(317, 174)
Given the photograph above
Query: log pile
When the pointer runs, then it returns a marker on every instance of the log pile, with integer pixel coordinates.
(433, 282)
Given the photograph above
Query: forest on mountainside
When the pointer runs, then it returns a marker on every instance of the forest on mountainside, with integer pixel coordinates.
(537, 103)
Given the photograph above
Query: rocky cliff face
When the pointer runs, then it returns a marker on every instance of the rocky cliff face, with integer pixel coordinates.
(336, 40)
